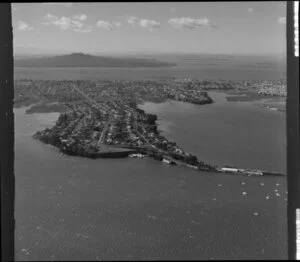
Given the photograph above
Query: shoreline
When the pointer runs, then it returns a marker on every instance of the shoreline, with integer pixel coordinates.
(125, 151)
(89, 125)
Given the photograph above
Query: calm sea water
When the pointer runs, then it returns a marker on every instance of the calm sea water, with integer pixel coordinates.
(239, 134)
(148, 74)
(71, 208)
(231, 68)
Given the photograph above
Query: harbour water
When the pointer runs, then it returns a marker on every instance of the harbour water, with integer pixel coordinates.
(195, 66)
(72, 208)
(209, 72)
(226, 133)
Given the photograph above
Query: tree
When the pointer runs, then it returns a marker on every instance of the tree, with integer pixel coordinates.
(151, 119)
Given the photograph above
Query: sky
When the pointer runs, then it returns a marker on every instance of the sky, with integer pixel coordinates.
(152, 27)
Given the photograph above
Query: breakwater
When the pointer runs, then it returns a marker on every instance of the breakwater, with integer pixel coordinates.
(204, 167)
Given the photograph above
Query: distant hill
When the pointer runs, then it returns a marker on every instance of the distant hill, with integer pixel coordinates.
(85, 60)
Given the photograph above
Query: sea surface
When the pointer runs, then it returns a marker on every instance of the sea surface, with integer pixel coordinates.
(226, 133)
(72, 208)
(198, 67)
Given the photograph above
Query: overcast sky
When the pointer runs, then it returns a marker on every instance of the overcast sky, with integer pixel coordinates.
(211, 27)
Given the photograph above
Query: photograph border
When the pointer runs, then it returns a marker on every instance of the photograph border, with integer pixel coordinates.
(7, 133)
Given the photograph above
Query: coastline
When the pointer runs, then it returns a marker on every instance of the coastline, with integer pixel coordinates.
(123, 152)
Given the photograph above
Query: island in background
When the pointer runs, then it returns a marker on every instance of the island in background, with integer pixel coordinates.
(86, 60)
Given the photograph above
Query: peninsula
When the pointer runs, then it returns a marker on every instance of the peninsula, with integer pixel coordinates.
(101, 119)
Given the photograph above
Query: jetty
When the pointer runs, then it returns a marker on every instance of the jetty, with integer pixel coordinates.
(247, 172)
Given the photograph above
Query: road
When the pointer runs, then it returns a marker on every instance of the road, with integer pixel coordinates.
(135, 127)
(93, 102)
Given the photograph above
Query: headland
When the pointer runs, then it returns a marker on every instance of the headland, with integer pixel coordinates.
(102, 119)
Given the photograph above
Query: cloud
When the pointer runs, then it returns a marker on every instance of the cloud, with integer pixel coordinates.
(81, 17)
(132, 20)
(145, 23)
(250, 9)
(108, 25)
(150, 24)
(22, 26)
(173, 10)
(282, 20)
(190, 23)
(68, 23)
(62, 4)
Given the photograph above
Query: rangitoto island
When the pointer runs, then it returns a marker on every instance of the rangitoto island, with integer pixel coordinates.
(86, 60)
(102, 119)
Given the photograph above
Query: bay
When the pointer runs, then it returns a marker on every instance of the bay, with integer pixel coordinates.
(226, 133)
